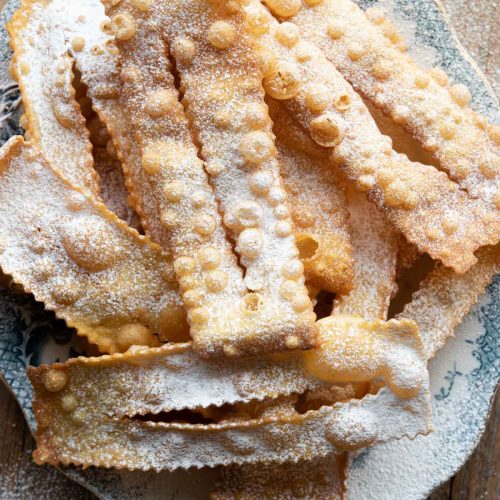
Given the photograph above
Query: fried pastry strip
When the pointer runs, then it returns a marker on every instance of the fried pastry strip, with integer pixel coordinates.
(113, 285)
(426, 206)
(147, 435)
(375, 246)
(127, 151)
(53, 120)
(167, 379)
(402, 141)
(232, 125)
(437, 114)
(85, 31)
(177, 367)
(320, 221)
(444, 298)
(356, 350)
(99, 71)
(228, 312)
(179, 378)
(318, 203)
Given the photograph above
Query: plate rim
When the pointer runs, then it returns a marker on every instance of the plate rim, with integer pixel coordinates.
(480, 73)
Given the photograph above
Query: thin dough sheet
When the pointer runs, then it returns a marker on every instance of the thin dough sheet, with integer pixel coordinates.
(444, 298)
(365, 48)
(53, 120)
(233, 309)
(423, 203)
(144, 441)
(318, 204)
(375, 246)
(113, 285)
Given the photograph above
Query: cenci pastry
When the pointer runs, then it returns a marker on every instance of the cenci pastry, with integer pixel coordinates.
(224, 199)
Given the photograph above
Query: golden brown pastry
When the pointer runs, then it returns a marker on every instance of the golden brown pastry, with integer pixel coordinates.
(366, 50)
(79, 425)
(114, 286)
(232, 309)
(53, 120)
(424, 204)
(444, 298)
(318, 204)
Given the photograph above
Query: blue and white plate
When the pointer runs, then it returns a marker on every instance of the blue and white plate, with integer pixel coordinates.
(464, 374)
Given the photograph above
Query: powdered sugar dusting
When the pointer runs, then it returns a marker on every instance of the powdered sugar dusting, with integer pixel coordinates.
(434, 111)
(79, 259)
(415, 204)
(416, 467)
(111, 440)
(375, 251)
(52, 117)
(200, 224)
(100, 72)
(444, 298)
(318, 205)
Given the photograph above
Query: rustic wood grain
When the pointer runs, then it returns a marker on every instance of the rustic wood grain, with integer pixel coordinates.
(477, 480)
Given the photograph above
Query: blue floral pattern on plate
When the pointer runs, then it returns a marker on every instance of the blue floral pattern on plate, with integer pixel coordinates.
(463, 375)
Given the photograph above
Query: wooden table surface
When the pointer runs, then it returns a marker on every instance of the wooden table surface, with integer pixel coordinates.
(477, 480)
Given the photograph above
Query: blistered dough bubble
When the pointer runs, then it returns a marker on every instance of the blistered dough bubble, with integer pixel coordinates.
(250, 243)
(89, 243)
(55, 380)
(221, 34)
(325, 131)
(257, 147)
(284, 8)
(283, 82)
(123, 26)
(352, 430)
(183, 50)
(133, 334)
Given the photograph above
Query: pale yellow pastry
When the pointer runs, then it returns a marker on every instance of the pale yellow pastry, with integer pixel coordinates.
(430, 209)
(114, 286)
(52, 118)
(318, 205)
(234, 307)
(365, 48)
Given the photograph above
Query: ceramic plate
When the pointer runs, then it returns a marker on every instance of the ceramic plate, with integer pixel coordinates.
(464, 374)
